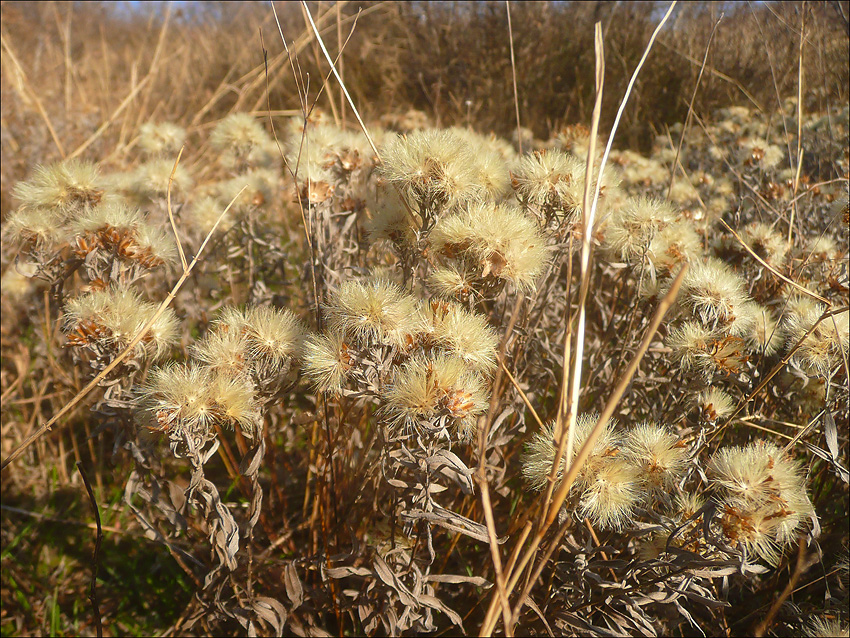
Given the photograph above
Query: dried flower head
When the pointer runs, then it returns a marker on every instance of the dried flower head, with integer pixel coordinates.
(550, 184)
(767, 335)
(659, 455)
(766, 242)
(713, 404)
(242, 142)
(118, 229)
(463, 334)
(498, 243)
(825, 627)
(150, 180)
(112, 318)
(709, 352)
(716, 295)
(374, 312)
(763, 497)
(188, 400)
(34, 229)
(434, 169)
(827, 344)
(632, 228)
(64, 189)
(327, 361)
(273, 337)
(163, 138)
(608, 484)
(429, 393)
(452, 281)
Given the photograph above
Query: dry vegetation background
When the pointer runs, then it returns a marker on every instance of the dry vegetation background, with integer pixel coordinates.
(79, 80)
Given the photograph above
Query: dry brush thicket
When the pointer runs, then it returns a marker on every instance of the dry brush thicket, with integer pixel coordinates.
(351, 414)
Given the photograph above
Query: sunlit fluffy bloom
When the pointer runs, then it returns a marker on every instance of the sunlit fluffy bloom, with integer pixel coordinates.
(767, 335)
(763, 497)
(373, 312)
(223, 351)
(259, 184)
(659, 455)
(755, 151)
(452, 281)
(426, 390)
(632, 228)
(37, 228)
(489, 163)
(117, 228)
(494, 241)
(242, 142)
(64, 188)
(540, 451)
(713, 404)
(551, 180)
(203, 213)
(824, 348)
(434, 169)
(151, 179)
(608, 484)
(463, 334)
(390, 220)
(675, 244)
(611, 494)
(114, 316)
(707, 351)
(273, 337)
(161, 138)
(190, 400)
(717, 296)
(765, 242)
(327, 361)
(828, 628)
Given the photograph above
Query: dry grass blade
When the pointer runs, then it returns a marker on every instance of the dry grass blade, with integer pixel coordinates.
(773, 270)
(339, 79)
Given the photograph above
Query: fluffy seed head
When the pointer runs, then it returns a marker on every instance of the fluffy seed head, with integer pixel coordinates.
(374, 312)
(433, 168)
(161, 139)
(827, 344)
(716, 295)
(463, 334)
(433, 391)
(659, 455)
(495, 242)
(150, 180)
(327, 361)
(65, 188)
(713, 404)
(633, 227)
(114, 316)
(707, 351)
(550, 183)
(242, 142)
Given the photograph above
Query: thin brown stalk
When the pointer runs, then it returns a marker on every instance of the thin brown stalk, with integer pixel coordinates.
(513, 76)
(773, 270)
(799, 124)
(171, 213)
(799, 569)
(339, 79)
(691, 106)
